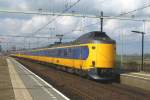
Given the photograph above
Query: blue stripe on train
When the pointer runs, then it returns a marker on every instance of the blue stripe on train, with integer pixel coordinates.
(81, 52)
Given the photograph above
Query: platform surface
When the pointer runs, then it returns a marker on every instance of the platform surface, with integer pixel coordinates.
(28, 86)
(6, 89)
(136, 79)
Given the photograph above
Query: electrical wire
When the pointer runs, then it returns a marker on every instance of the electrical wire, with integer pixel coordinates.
(56, 17)
(141, 8)
(96, 22)
(124, 14)
(19, 36)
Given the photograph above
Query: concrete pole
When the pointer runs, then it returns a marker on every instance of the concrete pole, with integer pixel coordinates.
(122, 47)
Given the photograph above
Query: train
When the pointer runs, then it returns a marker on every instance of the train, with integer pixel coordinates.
(91, 55)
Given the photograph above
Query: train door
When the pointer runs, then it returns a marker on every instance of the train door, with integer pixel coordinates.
(94, 55)
(72, 56)
(77, 57)
(81, 56)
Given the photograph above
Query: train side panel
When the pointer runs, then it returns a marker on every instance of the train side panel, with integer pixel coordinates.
(71, 63)
(99, 56)
(105, 55)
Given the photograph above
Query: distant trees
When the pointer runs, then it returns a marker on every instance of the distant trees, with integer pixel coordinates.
(147, 55)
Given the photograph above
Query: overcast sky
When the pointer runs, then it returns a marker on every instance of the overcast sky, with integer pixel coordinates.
(19, 24)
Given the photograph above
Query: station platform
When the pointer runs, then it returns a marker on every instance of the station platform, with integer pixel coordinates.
(6, 89)
(28, 86)
(136, 79)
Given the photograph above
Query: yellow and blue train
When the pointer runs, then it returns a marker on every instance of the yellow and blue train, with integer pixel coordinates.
(92, 54)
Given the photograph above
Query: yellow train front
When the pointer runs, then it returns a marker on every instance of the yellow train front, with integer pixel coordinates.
(92, 54)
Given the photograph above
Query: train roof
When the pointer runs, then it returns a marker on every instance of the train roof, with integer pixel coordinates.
(91, 37)
(94, 36)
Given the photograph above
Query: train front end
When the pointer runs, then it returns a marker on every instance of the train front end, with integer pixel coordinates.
(102, 57)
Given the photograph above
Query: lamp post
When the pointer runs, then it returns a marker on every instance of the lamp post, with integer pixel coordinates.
(142, 33)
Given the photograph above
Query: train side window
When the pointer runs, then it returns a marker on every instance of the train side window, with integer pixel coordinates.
(42, 53)
(76, 53)
(38, 52)
(65, 53)
(70, 53)
(55, 52)
(59, 53)
(49, 53)
(46, 52)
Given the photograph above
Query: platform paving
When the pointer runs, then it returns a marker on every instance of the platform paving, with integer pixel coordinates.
(136, 79)
(6, 89)
(28, 86)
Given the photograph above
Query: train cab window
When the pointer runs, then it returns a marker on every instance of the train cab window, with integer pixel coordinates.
(85, 52)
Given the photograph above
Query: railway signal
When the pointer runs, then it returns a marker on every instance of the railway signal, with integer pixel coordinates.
(60, 36)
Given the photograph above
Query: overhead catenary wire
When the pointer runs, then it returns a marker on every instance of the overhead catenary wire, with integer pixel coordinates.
(47, 37)
(106, 17)
(74, 15)
(141, 8)
(111, 17)
(78, 15)
(119, 18)
(52, 20)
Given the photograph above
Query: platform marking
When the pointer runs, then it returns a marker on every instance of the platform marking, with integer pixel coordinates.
(66, 98)
(136, 76)
(20, 91)
(141, 74)
(48, 92)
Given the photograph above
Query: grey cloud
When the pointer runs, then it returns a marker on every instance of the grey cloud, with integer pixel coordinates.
(110, 7)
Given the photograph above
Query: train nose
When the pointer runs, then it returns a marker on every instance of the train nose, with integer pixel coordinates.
(106, 56)
(94, 73)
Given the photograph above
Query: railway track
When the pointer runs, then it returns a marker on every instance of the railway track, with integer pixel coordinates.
(78, 88)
